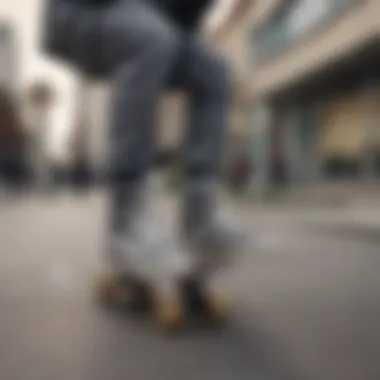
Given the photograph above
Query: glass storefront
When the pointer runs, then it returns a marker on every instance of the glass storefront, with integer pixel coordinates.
(293, 21)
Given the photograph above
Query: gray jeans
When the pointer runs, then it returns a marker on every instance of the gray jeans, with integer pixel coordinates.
(144, 53)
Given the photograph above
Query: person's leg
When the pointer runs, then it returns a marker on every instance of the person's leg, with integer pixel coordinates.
(142, 46)
(208, 82)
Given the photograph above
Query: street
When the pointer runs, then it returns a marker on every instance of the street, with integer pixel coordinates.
(307, 304)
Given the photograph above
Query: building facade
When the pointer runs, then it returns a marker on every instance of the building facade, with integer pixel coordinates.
(8, 55)
(315, 75)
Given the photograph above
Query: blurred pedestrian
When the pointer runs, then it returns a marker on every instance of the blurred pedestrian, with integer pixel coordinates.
(12, 143)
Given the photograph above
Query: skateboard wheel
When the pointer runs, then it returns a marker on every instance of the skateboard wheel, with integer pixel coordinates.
(169, 314)
(202, 301)
(217, 308)
(141, 297)
(110, 291)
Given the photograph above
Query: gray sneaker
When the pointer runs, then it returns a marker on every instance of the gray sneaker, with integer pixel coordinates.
(207, 234)
(145, 251)
(217, 237)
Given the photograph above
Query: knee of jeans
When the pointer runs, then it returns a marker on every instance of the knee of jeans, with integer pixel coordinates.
(221, 75)
(165, 42)
(215, 81)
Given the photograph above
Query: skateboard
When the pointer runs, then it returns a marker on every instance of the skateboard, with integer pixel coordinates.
(172, 298)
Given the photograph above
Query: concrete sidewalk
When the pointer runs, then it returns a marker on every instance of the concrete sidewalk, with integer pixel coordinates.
(305, 306)
(355, 220)
(352, 222)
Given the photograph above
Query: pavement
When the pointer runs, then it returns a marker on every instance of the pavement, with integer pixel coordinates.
(358, 218)
(350, 222)
(307, 304)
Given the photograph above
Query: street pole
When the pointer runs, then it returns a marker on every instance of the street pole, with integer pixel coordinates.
(371, 127)
(260, 142)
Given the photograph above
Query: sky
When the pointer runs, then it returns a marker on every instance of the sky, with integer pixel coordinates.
(33, 65)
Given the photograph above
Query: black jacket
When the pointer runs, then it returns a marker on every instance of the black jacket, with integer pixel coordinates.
(187, 13)
(184, 12)
(94, 3)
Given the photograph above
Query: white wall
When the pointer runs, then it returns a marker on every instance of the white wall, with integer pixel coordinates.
(33, 65)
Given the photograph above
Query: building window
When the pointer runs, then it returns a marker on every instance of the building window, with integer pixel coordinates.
(292, 21)
(272, 37)
(306, 15)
